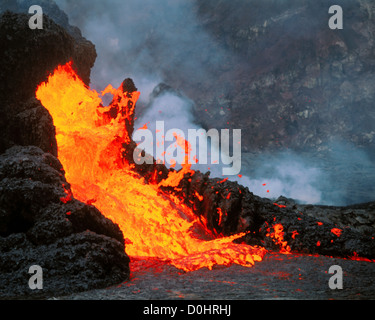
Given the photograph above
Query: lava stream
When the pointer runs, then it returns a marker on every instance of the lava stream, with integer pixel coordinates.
(90, 145)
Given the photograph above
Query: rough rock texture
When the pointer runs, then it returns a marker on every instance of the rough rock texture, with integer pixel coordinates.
(231, 208)
(277, 276)
(40, 221)
(31, 55)
(28, 57)
(296, 83)
(360, 217)
(42, 224)
(27, 123)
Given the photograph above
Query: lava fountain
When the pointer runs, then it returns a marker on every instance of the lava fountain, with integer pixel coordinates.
(92, 140)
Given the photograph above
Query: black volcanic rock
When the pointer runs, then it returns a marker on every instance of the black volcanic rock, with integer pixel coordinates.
(31, 55)
(40, 221)
(27, 123)
(28, 57)
(42, 224)
(230, 208)
(295, 83)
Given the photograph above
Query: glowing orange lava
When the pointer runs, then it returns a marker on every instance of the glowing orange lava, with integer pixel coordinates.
(336, 231)
(278, 238)
(90, 147)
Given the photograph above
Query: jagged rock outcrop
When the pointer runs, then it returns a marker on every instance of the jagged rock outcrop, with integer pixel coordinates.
(40, 221)
(42, 224)
(230, 208)
(28, 57)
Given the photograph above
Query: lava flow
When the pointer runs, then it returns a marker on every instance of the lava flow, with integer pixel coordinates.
(91, 146)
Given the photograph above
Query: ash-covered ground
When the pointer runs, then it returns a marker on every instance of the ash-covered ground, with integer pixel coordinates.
(278, 276)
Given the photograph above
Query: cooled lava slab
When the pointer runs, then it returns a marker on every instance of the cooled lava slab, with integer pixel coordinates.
(231, 208)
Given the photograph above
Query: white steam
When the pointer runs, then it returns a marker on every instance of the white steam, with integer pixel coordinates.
(149, 41)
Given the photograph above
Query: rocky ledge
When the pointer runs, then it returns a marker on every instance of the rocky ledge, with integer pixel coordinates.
(40, 221)
(230, 208)
(42, 224)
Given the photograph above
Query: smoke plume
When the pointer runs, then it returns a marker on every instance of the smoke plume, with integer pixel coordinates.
(157, 41)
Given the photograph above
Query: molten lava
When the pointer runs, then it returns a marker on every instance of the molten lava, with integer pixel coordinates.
(278, 238)
(91, 147)
(336, 231)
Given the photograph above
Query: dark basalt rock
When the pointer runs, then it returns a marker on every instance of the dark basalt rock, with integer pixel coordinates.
(42, 224)
(242, 211)
(28, 57)
(296, 83)
(27, 123)
(40, 221)
(31, 55)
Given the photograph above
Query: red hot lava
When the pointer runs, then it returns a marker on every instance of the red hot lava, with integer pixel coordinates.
(90, 146)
